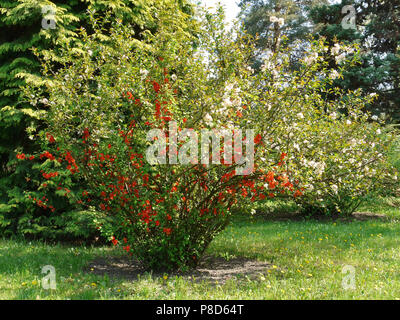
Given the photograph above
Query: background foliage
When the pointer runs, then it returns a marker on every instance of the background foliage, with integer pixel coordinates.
(21, 25)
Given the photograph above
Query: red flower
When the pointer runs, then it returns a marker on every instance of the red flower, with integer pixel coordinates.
(167, 231)
(86, 134)
(239, 114)
(270, 176)
(257, 139)
(283, 155)
(272, 185)
(21, 156)
(50, 138)
(127, 248)
(130, 96)
(156, 86)
(298, 193)
(114, 241)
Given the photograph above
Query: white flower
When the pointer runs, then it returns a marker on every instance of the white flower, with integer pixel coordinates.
(280, 21)
(333, 115)
(348, 122)
(353, 142)
(250, 69)
(311, 59)
(336, 49)
(378, 131)
(335, 188)
(227, 102)
(300, 115)
(320, 168)
(374, 117)
(90, 52)
(208, 119)
(334, 75)
(229, 87)
(144, 73)
(350, 50)
(340, 58)
(174, 77)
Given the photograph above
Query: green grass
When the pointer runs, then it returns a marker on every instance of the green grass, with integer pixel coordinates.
(389, 206)
(307, 257)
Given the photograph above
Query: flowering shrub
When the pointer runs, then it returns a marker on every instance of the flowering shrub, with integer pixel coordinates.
(106, 100)
(192, 73)
(338, 152)
(344, 161)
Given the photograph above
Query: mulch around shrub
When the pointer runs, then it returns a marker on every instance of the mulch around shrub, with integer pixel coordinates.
(210, 269)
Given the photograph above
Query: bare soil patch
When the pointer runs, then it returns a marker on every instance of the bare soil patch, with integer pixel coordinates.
(211, 269)
(367, 216)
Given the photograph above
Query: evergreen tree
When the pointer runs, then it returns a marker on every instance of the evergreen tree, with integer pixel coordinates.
(294, 23)
(378, 33)
(27, 24)
(21, 30)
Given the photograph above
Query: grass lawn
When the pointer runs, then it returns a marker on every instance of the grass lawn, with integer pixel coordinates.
(306, 257)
